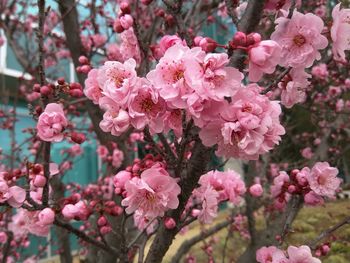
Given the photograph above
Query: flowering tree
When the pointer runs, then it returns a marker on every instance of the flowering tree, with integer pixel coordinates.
(162, 99)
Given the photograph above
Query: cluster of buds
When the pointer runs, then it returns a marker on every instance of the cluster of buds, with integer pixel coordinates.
(242, 41)
(206, 43)
(85, 65)
(125, 20)
(134, 170)
(323, 250)
(74, 89)
(45, 90)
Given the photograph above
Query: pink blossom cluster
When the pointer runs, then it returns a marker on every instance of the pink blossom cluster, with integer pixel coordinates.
(294, 255)
(151, 194)
(216, 187)
(187, 79)
(245, 128)
(300, 38)
(340, 31)
(52, 123)
(313, 184)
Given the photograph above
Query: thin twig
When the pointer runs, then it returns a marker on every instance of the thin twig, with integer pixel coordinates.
(326, 233)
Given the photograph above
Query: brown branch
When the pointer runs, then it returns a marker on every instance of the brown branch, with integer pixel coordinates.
(277, 80)
(326, 233)
(7, 247)
(247, 24)
(187, 244)
(85, 237)
(196, 167)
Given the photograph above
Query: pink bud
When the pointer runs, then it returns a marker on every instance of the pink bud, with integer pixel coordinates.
(325, 249)
(146, 2)
(197, 40)
(291, 189)
(125, 7)
(46, 216)
(45, 90)
(105, 230)
(39, 181)
(256, 190)
(240, 39)
(76, 93)
(126, 21)
(36, 87)
(85, 69)
(102, 221)
(195, 212)
(78, 138)
(169, 223)
(3, 237)
(75, 85)
(83, 60)
(208, 44)
(117, 27)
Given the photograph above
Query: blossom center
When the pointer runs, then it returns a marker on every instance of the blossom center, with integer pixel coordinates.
(322, 180)
(150, 197)
(118, 81)
(178, 74)
(147, 105)
(299, 40)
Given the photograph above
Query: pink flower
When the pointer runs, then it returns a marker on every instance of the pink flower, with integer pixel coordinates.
(76, 150)
(98, 40)
(27, 221)
(293, 89)
(307, 153)
(320, 71)
(78, 211)
(173, 73)
(340, 32)
(120, 180)
(152, 194)
(323, 179)
(313, 199)
(129, 48)
(276, 5)
(146, 107)
(46, 216)
(102, 151)
(52, 123)
(113, 52)
(278, 183)
(207, 196)
(117, 80)
(69, 211)
(13, 195)
(115, 122)
(168, 41)
(214, 80)
(3, 237)
(270, 255)
(92, 90)
(301, 254)
(263, 58)
(141, 222)
(247, 127)
(256, 190)
(117, 158)
(300, 38)
(228, 184)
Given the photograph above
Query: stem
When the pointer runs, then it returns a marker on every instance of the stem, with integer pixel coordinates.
(326, 233)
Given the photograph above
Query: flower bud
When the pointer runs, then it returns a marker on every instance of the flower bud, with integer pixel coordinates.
(169, 223)
(45, 90)
(46, 216)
